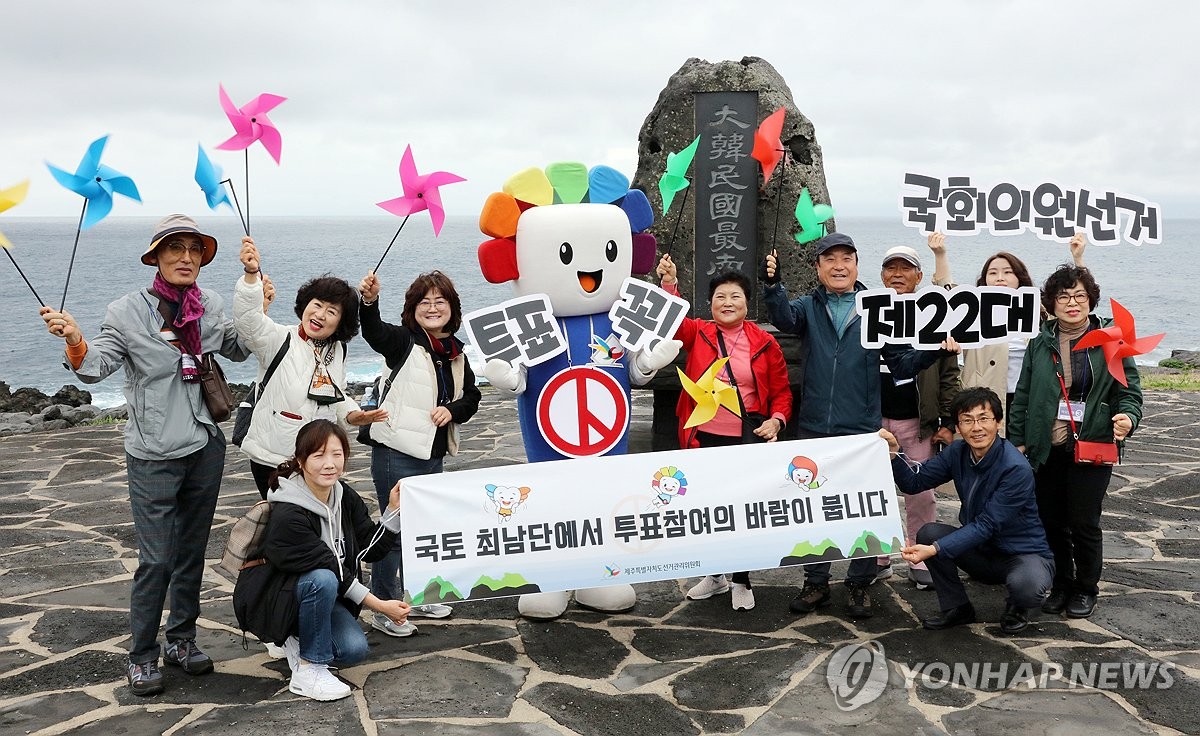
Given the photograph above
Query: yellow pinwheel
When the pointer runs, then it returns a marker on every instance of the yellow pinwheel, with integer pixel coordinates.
(710, 394)
(10, 198)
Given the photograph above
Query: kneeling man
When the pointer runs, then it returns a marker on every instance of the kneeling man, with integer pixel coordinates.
(1001, 539)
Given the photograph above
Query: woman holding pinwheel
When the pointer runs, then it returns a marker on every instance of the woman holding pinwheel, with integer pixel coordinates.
(752, 363)
(303, 366)
(429, 390)
(1066, 396)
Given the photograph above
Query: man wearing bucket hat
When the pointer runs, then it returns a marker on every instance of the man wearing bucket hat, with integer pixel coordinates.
(916, 411)
(841, 382)
(175, 452)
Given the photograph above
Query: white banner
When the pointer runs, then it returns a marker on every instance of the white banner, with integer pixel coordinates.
(589, 522)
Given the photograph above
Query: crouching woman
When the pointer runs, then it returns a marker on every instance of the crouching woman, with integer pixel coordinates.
(320, 532)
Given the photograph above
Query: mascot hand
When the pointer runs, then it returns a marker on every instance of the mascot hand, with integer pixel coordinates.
(504, 375)
(657, 357)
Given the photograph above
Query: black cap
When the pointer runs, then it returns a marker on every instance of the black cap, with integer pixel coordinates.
(833, 240)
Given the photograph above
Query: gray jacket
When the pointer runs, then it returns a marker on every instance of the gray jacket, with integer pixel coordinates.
(167, 417)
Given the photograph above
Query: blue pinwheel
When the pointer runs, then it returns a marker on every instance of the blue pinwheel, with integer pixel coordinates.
(212, 182)
(96, 183)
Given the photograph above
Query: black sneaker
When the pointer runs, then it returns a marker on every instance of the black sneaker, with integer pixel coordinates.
(812, 596)
(1055, 603)
(1081, 605)
(1014, 620)
(860, 601)
(188, 657)
(957, 616)
(144, 678)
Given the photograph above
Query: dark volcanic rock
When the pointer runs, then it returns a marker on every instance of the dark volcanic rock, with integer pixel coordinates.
(670, 645)
(63, 630)
(80, 671)
(593, 714)
(71, 396)
(26, 399)
(745, 681)
(296, 717)
(448, 688)
(1045, 712)
(1152, 620)
(567, 649)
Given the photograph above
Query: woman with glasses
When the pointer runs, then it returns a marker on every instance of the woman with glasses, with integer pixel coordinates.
(309, 377)
(427, 390)
(996, 366)
(1064, 395)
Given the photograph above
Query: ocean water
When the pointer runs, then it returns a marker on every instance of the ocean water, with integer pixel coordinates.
(1151, 281)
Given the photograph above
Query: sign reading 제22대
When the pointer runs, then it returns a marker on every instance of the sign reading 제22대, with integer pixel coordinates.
(551, 526)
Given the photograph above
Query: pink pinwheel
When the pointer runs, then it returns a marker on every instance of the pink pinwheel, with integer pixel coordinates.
(767, 147)
(420, 192)
(1119, 341)
(252, 124)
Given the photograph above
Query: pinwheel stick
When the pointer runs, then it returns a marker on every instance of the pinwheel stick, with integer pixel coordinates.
(74, 248)
(389, 248)
(678, 219)
(245, 223)
(779, 199)
(14, 262)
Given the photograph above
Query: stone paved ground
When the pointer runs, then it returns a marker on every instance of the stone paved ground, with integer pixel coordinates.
(668, 667)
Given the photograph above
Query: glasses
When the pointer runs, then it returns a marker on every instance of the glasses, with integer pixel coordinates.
(1078, 298)
(969, 422)
(179, 247)
(433, 303)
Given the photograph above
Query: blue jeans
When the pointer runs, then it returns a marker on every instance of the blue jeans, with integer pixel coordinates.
(172, 502)
(329, 633)
(387, 467)
(1026, 576)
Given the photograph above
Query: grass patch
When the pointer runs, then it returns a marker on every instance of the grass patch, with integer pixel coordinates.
(102, 422)
(1187, 381)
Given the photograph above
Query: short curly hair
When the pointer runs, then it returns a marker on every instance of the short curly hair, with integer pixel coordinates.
(332, 290)
(1064, 278)
(421, 286)
(729, 277)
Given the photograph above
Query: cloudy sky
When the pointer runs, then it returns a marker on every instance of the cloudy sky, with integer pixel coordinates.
(1098, 93)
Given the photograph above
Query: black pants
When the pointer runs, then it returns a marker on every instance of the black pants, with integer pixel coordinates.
(1070, 498)
(1026, 576)
(262, 476)
(704, 439)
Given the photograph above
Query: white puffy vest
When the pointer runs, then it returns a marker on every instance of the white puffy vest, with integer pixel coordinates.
(410, 400)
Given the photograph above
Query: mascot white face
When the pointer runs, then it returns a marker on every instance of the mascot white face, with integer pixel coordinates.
(578, 254)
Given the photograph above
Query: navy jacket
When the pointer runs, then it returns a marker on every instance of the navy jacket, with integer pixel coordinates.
(841, 377)
(999, 510)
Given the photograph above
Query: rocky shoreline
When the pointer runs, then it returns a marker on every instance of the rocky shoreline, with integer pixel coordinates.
(26, 410)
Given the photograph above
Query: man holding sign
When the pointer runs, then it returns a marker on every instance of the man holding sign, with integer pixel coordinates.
(1001, 539)
(841, 381)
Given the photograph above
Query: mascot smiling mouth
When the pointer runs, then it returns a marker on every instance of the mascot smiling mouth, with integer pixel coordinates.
(590, 280)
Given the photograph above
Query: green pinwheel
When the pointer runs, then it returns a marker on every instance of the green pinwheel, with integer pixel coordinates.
(674, 179)
(811, 217)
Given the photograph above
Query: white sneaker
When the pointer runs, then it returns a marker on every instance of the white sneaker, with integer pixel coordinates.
(291, 650)
(431, 610)
(379, 622)
(274, 651)
(882, 572)
(743, 597)
(708, 586)
(317, 682)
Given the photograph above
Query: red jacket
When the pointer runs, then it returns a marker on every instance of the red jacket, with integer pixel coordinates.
(766, 363)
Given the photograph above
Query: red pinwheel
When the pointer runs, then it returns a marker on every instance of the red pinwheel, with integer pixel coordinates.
(252, 124)
(768, 149)
(1119, 341)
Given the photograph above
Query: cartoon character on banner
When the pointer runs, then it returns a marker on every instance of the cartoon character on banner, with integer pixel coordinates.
(803, 472)
(668, 483)
(506, 499)
(572, 236)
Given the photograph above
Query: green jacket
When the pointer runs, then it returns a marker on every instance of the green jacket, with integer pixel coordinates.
(1035, 403)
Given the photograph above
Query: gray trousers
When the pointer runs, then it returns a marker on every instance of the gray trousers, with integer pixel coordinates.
(1026, 576)
(172, 503)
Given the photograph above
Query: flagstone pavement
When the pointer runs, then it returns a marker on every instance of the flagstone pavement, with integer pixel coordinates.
(669, 666)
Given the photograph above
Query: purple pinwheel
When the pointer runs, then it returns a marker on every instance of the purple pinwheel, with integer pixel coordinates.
(96, 183)
(252, 124)
(420, 192)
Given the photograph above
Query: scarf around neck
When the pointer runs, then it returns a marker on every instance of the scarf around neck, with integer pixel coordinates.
(187, 319)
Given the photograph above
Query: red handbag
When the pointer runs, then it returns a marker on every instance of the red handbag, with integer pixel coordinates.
(1087, 453)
